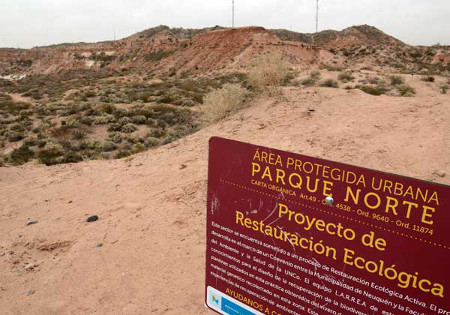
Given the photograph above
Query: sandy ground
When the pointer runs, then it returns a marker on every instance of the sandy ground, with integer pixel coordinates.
(151, 206)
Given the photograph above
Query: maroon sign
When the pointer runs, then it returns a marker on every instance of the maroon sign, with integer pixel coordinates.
(292, 234)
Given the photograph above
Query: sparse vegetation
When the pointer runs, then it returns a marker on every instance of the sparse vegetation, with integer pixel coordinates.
(332, 68)
(83, 116)
(158, 55)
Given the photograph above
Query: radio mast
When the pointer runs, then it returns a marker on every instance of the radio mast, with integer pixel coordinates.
(317, 15)
(232, 14)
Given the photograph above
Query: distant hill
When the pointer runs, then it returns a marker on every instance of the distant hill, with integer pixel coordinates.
(177, 51)
(355, 35)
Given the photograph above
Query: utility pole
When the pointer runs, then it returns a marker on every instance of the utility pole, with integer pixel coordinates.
(317, 16)
(232, 14)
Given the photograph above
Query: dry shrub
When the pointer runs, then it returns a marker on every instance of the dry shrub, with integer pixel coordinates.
(345, 77)
(406, 90)
(330, 83)
(396, 80)
(428, 78)
(220, 103)
(268, 70)
(312, 79)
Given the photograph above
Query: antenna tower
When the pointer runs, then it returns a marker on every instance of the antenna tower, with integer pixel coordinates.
(232, 14)
(317, 15)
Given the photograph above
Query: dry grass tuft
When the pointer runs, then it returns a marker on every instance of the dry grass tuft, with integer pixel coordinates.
(220, 103)
(268, 70)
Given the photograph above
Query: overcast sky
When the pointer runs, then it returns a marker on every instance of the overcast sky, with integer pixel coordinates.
(28, 23)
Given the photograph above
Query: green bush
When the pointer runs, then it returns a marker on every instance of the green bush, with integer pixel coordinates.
(50, 154)
(158, 133)
(14, 136)
(115, 137)
(32, 141)
(138, 148)
(107, 146)
(372, 90)
(115, 127)
(102, 120)
(129, 128)
(139, 119)
(150, 142)
(315, 75)
(308, 82)
(428, 78)
(72, 157)
(78, 135)
(396, 80)
(122, 153)
(21, 155)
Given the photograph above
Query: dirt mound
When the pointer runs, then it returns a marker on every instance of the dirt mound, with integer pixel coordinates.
(230, 48)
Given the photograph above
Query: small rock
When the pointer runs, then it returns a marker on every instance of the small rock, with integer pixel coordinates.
(31, 222)
(99, 245)
(92, 218)
(30, 266)
(31, 292)
(440, 173)
(70, 201)
(2, 254)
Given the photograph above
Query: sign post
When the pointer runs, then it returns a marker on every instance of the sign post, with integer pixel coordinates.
(292, 234)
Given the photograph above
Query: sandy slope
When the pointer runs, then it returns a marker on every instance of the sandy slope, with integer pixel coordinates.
(152, 206)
